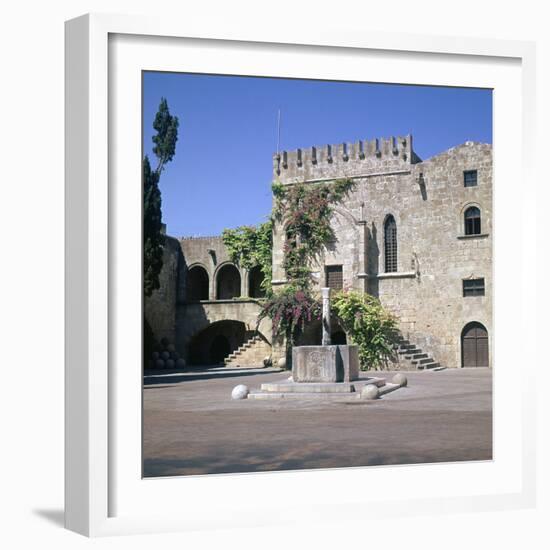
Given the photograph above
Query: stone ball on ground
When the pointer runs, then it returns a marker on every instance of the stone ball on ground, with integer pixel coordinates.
(267, 361)
(281, 363)
(159, 364)
(240, 392)
(180, 363)
(170, 363)
(165, 355)
(370, 391)
(174, 355)
(155, 355)
(164, 342)
(171, 347)
(400, 379)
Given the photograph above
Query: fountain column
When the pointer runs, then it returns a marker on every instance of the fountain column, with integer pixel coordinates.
(326, 316)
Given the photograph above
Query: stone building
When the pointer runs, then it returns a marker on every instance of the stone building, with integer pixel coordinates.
(416, 234)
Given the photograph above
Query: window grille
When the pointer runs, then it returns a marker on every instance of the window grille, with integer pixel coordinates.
(473, 287)
(334, 277)
(470, 178)
(390, 245)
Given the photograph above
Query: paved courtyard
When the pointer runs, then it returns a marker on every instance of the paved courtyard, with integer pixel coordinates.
(191, 425)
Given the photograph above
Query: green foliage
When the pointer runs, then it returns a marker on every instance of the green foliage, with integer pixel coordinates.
(251, 246)
(305, 210)
(290, 309)
(369, 325)
(165, 140)
(153, 239)
(166, 126)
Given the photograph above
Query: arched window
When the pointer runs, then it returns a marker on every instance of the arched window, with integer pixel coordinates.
(228, 283)
(255, 278)
(197, 284)
(472, 221)
(390, 244)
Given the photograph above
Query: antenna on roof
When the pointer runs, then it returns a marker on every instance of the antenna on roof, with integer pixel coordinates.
(278, 129)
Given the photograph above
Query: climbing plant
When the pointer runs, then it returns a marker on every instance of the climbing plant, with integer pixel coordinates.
(249, 246)
(305, 211)
(289, 310)
(368, 325)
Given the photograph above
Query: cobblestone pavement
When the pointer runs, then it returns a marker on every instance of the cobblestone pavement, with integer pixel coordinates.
(191, 425)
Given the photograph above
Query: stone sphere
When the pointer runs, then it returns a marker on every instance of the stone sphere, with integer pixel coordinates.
(281, 363)
(155, 355)
(170, 363)
(164, 342)
(370, 391)
(400, 379)
(165, 355)
(240, 392)
(159, 364)
(267, 361)
(174, 355)
(171, 347)
(180, 363)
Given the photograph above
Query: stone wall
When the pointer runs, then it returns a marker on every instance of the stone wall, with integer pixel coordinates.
(427, 200)
(160, 307)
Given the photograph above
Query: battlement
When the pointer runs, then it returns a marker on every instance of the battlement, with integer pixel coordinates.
(364, 157)
(200, 238)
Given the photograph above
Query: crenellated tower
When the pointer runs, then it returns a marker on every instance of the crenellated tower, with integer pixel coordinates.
(359, 159)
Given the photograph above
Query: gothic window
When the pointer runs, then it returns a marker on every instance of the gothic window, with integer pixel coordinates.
(472, 221)
(390, 244)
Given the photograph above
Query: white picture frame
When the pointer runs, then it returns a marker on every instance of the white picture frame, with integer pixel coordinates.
(104, 498)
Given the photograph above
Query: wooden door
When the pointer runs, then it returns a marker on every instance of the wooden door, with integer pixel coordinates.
(475, 346)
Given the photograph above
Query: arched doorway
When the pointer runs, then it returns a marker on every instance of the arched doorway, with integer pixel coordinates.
(214, 343)
(197, 284)
(228, 283)
(475, 345)
(220, 348)
(255, 278)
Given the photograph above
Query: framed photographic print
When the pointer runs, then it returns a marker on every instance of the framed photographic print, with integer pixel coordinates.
(288, 275)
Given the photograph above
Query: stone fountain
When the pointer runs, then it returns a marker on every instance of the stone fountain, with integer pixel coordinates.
(327, 370)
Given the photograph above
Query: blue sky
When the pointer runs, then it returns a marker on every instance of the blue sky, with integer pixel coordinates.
(221, 174)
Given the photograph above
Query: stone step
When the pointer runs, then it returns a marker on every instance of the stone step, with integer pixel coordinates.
(428, 366)
(411, 354)
(407, 346)
(408, 351)
(420, 356)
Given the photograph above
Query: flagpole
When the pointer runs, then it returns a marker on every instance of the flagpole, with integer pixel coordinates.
(278, 129)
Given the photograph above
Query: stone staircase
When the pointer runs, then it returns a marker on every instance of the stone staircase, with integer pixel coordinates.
(411, 356)
(251, 353)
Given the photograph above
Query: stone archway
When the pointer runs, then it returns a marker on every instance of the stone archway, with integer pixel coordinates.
(197, 284)
(255, 279)
(228, 282)
(214, 343)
